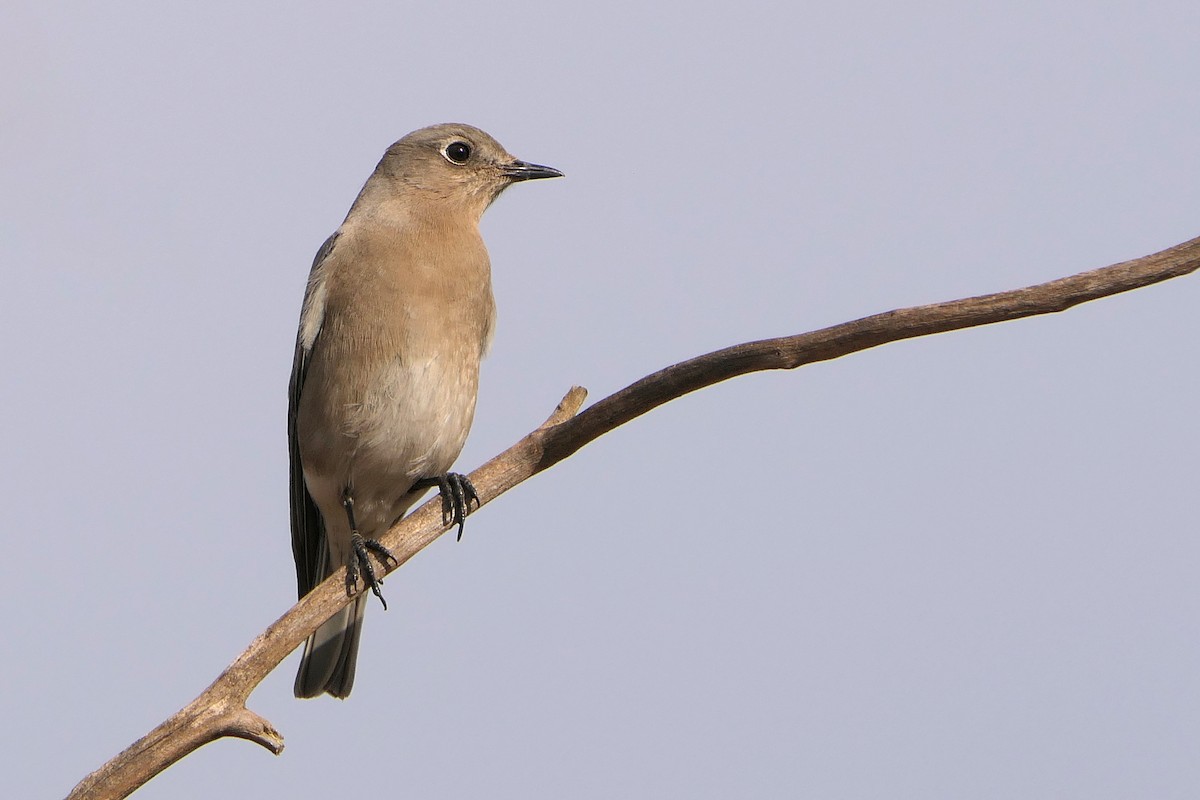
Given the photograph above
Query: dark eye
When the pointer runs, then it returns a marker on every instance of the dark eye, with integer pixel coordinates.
(458, 152)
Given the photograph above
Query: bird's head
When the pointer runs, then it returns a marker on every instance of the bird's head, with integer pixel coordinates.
(458, 164)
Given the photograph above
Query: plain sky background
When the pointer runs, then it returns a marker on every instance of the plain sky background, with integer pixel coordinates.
(962, 566)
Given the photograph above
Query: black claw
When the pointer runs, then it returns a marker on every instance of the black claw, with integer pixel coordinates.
(362, 563)
(382, 553)
(457, 493)
(352, 577)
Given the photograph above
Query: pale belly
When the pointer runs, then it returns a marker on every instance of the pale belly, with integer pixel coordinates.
(407, 421)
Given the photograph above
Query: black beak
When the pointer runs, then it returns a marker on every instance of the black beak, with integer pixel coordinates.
(524, 171)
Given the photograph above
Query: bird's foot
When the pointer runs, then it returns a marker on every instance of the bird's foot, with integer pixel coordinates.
(361, 563)
(457, 495)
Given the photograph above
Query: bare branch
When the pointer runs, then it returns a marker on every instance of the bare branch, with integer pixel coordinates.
(221, 709)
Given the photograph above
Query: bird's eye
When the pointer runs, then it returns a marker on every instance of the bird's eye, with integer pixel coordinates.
(457, 152)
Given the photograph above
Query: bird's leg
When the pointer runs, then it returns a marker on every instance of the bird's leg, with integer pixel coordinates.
(362, 555)
(457, 495)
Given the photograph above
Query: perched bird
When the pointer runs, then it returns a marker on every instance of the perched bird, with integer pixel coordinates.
(397, 315)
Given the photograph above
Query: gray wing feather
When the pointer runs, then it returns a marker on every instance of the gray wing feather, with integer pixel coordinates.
(308, 530)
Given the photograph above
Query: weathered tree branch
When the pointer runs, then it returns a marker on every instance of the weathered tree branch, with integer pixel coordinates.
(221, 709)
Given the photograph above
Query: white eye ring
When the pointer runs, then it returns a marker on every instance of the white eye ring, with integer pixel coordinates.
(457, 152)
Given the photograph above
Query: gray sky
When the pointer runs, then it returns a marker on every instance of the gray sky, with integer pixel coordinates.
(960, 566)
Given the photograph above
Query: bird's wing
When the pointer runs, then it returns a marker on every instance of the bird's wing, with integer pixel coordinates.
(308, 530)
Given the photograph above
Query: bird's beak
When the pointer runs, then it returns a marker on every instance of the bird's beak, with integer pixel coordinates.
(524, 171)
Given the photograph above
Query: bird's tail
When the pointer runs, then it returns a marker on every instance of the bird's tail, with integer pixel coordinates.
(330, 653)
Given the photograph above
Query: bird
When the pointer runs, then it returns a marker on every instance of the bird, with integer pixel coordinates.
(397, 314)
